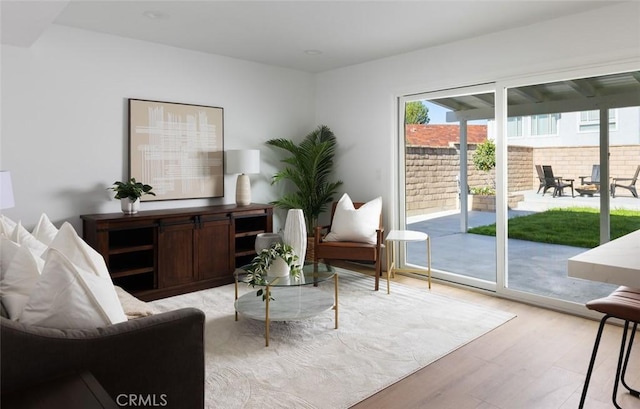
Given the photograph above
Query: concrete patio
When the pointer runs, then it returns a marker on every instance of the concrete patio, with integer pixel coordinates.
(538, 203)
(537, 268)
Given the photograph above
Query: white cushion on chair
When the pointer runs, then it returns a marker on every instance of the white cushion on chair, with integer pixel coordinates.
(351, 224)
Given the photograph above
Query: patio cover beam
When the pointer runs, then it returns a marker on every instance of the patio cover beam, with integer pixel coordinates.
(582, 87)
(628, 99)
(531, 95)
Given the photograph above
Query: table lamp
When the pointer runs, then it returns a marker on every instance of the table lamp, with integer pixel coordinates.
(243, 162)
(6, 190)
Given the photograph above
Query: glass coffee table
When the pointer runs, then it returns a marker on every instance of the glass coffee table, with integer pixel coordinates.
(293, 299)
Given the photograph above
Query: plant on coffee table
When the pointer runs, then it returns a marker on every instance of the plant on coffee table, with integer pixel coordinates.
(259, 268)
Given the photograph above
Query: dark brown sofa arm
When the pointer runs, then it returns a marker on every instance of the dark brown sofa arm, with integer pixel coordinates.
(158, 357)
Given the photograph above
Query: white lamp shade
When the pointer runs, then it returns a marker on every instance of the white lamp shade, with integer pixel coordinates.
(243, 161)
(6, 190)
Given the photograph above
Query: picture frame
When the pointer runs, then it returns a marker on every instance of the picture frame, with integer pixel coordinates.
(177, 148)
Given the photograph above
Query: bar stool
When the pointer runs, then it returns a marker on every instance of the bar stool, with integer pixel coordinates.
(624, 304)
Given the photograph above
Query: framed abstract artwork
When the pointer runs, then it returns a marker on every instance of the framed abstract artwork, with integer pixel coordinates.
(176, 148)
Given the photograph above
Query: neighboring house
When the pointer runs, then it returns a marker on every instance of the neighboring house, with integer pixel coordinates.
(442, 135)
(572, 129)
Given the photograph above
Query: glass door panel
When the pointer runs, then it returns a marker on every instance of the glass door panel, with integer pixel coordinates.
(568, 209)
(440, 134)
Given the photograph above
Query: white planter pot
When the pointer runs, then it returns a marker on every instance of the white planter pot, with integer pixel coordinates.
(128, 206)
(295, 233)
(266, 240)
(278, 268)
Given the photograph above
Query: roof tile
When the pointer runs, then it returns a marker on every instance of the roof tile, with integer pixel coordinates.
(442, 134)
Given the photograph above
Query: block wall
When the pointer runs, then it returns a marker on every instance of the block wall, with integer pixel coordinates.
(572, 162)
(431, 172)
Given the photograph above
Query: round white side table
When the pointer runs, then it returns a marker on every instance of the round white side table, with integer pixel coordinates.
(398, 236)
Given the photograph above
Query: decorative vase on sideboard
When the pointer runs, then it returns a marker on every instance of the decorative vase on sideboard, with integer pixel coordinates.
(129, 206)
(295, 233)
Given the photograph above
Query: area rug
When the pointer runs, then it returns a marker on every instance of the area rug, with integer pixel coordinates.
(381, 339)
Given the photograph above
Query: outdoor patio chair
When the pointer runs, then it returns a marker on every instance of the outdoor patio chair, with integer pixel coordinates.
(631, 186)
(541, 179)
(556, 182)
(594, 179)
(590, 185)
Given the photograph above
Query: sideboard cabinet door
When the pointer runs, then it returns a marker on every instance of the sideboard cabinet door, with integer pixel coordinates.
(175, 252)
(213, 257)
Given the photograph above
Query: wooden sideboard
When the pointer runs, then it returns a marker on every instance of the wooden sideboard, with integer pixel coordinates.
(159, 253)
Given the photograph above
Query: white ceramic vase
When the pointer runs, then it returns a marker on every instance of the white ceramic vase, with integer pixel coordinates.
(278, 268)
(129, 206)
(295, 233)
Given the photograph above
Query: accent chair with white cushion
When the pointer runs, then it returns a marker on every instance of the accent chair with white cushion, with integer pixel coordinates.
(355, 234)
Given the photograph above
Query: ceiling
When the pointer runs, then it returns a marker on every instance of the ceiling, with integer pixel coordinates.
(311, 36)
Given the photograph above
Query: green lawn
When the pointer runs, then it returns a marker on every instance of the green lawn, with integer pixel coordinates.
(574, 226)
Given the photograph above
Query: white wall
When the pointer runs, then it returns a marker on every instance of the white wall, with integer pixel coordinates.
(64, 116)
(63, 124)
(358, 102)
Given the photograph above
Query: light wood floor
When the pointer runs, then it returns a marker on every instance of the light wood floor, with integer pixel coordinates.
(537, 360)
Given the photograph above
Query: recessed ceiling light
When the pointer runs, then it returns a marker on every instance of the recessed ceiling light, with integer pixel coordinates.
(154, 15)
(312, 52)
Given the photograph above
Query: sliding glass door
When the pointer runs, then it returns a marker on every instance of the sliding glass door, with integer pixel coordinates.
(510, 181)
(557, 127)
(445, 191)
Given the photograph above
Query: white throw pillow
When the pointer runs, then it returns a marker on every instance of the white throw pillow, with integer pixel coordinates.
(66, 296)
(19, 280)
(45, 231)
(351, 224)
(6, 225)
(22, 236)
(8, 250)
(78, 251)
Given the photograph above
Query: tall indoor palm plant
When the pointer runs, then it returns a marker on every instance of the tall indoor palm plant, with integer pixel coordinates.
(309, 169)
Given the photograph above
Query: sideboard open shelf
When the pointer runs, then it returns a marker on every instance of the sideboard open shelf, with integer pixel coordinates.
(247, 227)
(159, 253)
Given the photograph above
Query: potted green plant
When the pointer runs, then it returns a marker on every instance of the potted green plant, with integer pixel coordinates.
(309, 169)
(129, 194)
(484, 159)
(279, 260)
